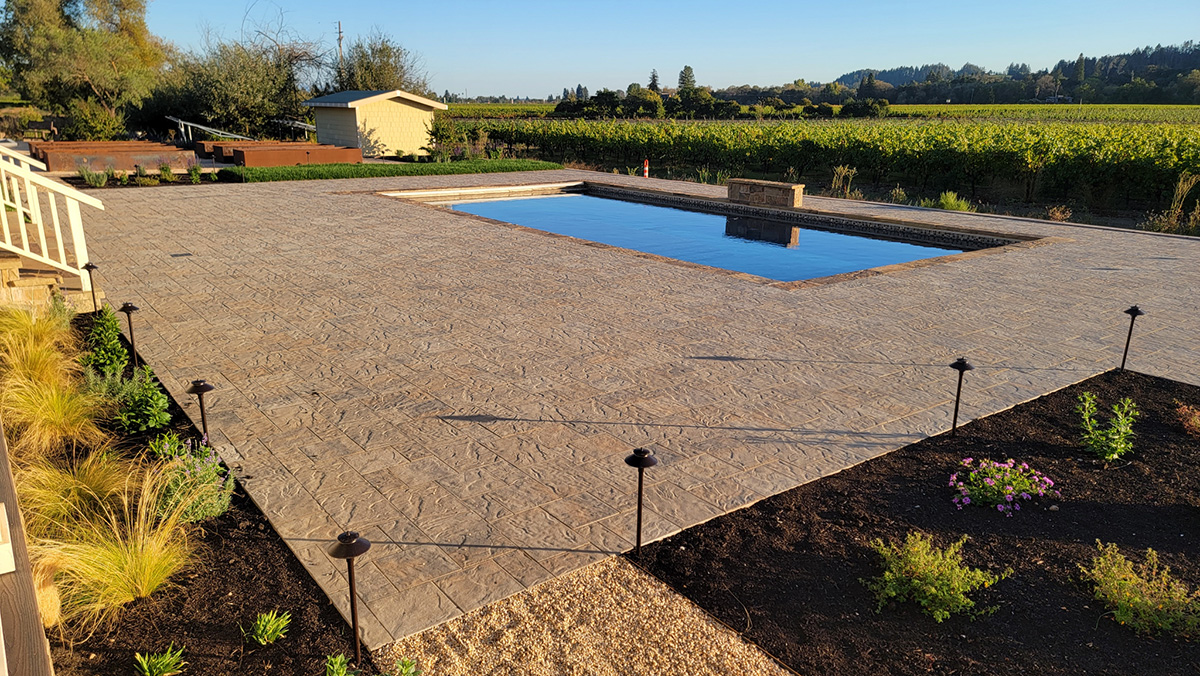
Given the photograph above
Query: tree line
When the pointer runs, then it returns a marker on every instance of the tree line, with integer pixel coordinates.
(97, 63)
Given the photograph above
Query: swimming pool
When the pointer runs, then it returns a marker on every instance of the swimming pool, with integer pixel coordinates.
(773, 249)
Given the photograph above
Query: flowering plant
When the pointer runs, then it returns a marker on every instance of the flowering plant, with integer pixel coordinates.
(999, 485)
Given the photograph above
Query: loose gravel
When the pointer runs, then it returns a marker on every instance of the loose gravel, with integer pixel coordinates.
(609, 619)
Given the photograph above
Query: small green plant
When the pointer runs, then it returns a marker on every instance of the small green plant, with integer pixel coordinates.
(169, 663)
(723, 176)
(268, 627)
(405, 667)
(165, 174)
(339, 665)
(145, 407)
(1143, 597)
(918, 571)
(212, 176)
(950, 201)
(140, 171)
(843, 176)
(122, 177)
(898, 196)
(999, 485)
(145, 181)
(94, 179)
(1189, 417)
(703, 174)
(105, 353)
(194, 474)
(194, 174)
(1115, 441)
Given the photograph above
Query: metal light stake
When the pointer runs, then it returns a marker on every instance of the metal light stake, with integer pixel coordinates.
(350, 546)
(962, 366)
(1133, 312)
(129, 309)
(200, 388)
(641, 459)
(90, 266)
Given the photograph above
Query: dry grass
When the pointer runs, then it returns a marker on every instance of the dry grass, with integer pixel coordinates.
(48, 418)
(55, 497)
(40, 395)
(127, 550)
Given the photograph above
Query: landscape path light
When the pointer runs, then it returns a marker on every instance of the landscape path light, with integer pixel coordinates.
(129, 309)
(962, 366)
(90, 267)
(641, 459)
(350, 546)
(1133, 312)
(200, 388)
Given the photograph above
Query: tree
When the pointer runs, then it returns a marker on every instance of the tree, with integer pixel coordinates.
(633, 87)
(65, 52)
(866, 89)
(642, 103)
(653, 86)
(579, 92)
(567, 94)
(377, 62)
(1080, 72)
(687, 79)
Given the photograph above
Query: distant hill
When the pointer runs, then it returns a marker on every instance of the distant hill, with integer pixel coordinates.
(895, 76)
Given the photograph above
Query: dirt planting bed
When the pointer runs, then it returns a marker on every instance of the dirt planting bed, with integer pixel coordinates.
(788, 571)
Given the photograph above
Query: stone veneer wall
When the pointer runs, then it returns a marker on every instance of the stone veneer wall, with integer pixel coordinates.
(766, 193)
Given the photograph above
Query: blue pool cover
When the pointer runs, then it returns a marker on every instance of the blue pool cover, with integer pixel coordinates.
(770, 249)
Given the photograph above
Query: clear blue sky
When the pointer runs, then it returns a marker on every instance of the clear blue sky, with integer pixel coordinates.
(535, 47)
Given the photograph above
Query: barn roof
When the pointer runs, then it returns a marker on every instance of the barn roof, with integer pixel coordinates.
(356, 98)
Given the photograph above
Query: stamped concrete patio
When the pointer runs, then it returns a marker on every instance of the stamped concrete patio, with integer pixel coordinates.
(463, 393)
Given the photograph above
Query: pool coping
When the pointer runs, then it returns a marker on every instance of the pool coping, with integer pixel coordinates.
(807, 218)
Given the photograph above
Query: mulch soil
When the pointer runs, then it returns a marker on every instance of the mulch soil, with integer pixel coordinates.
(243, 568)
(787, 572)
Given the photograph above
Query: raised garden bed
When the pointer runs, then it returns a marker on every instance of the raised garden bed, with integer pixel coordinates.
(788, 571)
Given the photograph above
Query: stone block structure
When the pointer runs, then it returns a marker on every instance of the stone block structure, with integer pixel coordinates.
(766, 193)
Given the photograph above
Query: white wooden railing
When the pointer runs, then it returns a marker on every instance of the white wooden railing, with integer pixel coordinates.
(20, 159)
(35, 210)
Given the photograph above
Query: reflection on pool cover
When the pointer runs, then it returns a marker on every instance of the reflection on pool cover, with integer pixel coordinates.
(770, 249)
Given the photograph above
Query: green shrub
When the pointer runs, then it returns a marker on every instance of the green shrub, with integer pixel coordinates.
(105, 352)
(145, 407)
(194, 174)
(94, 179)
(325, 171)
(339, 665)
(195, 474)
(90, 121)
(122, 177)
(169, 663)
(145, 181)
(898, 196)
(165, 174)
(1115, 441)
(404, 667)
(950, 201)
(1144, 597)
(936, 579)
(268, 627)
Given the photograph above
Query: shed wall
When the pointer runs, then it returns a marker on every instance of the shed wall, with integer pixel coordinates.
(337, 126)
(400, 127)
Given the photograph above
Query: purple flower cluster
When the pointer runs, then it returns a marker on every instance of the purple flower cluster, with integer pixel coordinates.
(999, 484)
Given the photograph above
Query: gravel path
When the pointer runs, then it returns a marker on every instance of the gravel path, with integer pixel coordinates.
(609, 619)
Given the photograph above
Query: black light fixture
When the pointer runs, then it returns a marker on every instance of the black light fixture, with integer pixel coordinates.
(1133, 312)
(129, 309)
(641, 459)
(962, 366)
(350, 546)
(200, 388)
(90, 267)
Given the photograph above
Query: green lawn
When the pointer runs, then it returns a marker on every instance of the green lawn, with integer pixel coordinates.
(320, 171)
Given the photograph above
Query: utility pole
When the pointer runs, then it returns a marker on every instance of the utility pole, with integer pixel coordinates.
(341, 62)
